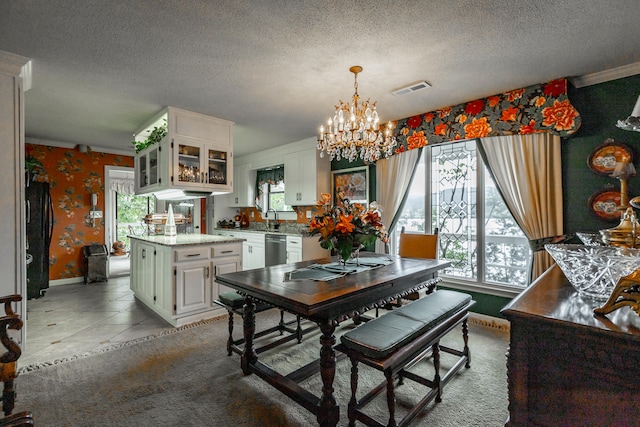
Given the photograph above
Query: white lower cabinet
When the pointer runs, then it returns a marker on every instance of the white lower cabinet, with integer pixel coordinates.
(178, 282)
(294, 249)
(253, 253)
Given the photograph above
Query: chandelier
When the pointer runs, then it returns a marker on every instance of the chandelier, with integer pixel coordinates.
(354, 130)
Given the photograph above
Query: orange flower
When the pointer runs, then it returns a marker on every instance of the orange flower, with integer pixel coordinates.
(493, 101)
(539, 101)
(444, 112)
(509, 114)
(561, 115)
(373, 218)
(440, 129)
(345, 226)
(405, 131)
(478, 128)
(428, 117)
(515, 94)
(530, 128)
(417, 140)
(461, 118)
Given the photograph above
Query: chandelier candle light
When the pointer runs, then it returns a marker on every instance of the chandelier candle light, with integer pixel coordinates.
(354, 130)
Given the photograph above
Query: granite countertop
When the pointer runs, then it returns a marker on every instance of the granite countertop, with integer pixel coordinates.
(187, 239)
(282, 230)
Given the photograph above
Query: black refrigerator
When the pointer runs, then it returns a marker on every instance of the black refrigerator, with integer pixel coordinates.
(39, 213)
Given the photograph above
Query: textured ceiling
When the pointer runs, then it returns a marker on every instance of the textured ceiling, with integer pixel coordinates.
(276, 68)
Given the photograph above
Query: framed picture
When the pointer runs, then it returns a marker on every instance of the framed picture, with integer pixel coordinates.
(353, 182)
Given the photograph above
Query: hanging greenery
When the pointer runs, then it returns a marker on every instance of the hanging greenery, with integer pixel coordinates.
(155, 136)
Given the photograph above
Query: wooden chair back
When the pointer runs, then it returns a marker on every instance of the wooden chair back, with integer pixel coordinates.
(418, 245)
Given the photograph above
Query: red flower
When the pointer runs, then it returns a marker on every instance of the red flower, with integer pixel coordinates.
(400, 149)
(509, 114)
(414, 122)
(474, 107)
(555, 88)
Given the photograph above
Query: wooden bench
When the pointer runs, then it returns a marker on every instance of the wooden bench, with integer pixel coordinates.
(396, 341)
(234, 303)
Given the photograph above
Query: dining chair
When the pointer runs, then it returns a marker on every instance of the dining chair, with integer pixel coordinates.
(415, 245)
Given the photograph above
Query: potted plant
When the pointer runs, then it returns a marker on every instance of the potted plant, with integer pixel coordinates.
(155, 136)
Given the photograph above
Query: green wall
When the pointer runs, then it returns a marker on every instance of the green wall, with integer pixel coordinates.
(600, 107)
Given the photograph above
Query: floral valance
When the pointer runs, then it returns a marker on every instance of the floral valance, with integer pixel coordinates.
(270, 176)
(537, 108)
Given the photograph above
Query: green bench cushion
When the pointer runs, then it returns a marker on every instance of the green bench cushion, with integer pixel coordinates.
(382, 336)
(236, 301)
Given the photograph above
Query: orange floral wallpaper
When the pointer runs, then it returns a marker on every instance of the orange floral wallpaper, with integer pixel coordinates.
(73, 176)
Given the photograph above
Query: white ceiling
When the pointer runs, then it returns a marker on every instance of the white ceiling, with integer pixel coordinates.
(276, 68)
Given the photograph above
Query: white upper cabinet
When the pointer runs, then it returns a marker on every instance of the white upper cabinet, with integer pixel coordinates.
(244, 183)
(195, 155)
(306, 176)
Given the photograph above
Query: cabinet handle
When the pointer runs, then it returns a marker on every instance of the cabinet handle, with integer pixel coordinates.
(193, 255)
(226, 252)
(207, 272)
(144, 253)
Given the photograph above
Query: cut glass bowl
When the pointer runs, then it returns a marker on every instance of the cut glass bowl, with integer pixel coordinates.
(594, 270)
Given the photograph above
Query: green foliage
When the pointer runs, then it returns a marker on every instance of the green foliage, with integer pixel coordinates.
(155, 136)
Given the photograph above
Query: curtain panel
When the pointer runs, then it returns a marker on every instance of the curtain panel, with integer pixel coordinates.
(534, 109)
(393, 178)
(528, 174)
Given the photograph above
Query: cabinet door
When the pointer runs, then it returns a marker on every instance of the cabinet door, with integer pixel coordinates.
(188, 160)
(143, 269)
(308, 181)
(292, 178)
(193, 289)
(217, 167)
(147, 166)
(243, 187)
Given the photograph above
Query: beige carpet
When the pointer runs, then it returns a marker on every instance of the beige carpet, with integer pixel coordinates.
(185, 378)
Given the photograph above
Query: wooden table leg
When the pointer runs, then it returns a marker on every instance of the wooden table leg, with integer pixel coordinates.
(328, 410)
(249, 354)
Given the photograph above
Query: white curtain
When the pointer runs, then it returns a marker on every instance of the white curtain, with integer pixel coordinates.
(122, 186)
(393, 177)
(527, 171)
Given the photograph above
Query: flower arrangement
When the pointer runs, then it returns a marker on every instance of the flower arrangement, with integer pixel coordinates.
(31, 164)
(346, 226)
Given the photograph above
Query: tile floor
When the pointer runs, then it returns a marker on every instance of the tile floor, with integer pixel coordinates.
(76, 318)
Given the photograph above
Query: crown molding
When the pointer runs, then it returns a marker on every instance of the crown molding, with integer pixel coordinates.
(606, 75)
(98, 149)
(11, 63)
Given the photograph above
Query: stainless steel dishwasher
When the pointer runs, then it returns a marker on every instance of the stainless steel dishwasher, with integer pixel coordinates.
(275, 249)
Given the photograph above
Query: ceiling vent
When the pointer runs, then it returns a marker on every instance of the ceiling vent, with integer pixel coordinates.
(411, 88)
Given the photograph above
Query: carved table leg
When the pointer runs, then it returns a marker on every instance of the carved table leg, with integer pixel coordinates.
(230, 340)
(328, 410)
(249, 354)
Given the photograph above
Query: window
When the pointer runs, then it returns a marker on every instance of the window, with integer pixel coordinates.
(477, 232)
(276, 198)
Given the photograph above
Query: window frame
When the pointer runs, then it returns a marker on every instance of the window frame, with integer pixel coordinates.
(477, 284)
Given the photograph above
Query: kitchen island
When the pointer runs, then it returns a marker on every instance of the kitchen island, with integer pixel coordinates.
(174, 276)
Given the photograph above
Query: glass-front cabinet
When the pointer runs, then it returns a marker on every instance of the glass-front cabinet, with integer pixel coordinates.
(200, 164)
(196, 154)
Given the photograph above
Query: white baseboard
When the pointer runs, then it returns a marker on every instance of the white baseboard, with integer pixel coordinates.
(489, 321)
(67, 281)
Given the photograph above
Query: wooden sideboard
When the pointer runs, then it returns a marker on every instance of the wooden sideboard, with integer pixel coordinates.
(566, 366)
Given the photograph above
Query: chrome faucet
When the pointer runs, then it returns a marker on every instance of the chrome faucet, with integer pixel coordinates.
(275, 217)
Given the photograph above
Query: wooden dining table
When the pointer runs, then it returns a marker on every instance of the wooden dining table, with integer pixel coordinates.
(326, 303)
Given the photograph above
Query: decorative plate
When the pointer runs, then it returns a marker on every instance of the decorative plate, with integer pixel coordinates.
(605, 204)
(604, 157)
